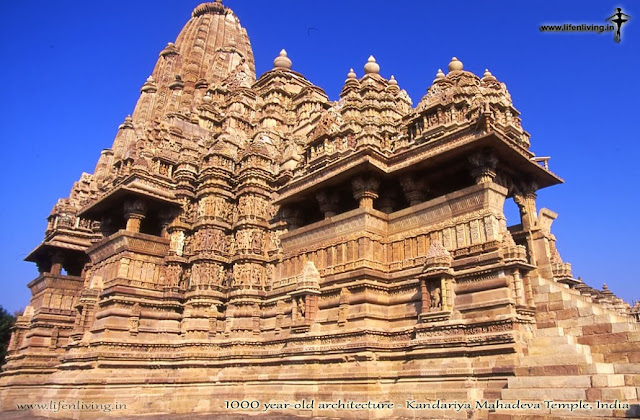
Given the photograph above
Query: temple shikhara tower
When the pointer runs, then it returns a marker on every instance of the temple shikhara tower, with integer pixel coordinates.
(250, 239)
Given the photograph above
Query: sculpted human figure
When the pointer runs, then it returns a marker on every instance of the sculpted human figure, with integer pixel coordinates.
(274, 240)
(436, 298)
(186, 278)
(244, 276)
(264, 209)
(217, 240)
(250, 206)
(259, 276)
(178, 245)
(257, 240)
(228, 280)
(221, 276)
(242, 206)
(189, 211)
(172, 275)
(205, 274)
(232, 245)
(195, 276)
(210, 206)
(208, 240)
(224, 210)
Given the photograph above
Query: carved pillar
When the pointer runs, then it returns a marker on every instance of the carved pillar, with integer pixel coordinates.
(365, 190)
(426, 298)
(530, 203)
(57, 260)
(292, 217)
(526, 201)
(134, 212)
(529, 292)
(387, 200)
(166, 215)
(414, 189)
(483, 165)
(106, 226)
(518, 288)
(328, 201)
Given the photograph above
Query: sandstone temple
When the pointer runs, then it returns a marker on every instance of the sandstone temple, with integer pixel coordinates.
(249, 239)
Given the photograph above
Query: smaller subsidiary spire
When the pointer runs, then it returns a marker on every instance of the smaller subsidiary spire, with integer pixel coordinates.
(439, 76)
(128, 123)
(169, 50)
(149, 86)
(488, 76)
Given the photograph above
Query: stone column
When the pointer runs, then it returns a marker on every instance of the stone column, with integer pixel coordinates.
(106, 226)
(526, 201)
(518, 287)
(293, 218)
(328, 201)
(57, 259)
(483, 166)
(365, 190)
(166, 216)
(387, 200)
(134, 212)
(414, 189)
(445, 294)
(425, 297)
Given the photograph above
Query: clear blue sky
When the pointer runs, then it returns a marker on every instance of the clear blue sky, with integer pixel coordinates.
(71, 71)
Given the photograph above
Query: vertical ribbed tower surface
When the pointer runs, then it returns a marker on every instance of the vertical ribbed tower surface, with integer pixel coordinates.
(251, 240)
(211, 48)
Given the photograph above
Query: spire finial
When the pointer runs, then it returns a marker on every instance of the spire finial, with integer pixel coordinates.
(371, 67)
(351, 74)
(393, 81)
(439, 75)
(455, 64)
(282, 61)
(212, 7)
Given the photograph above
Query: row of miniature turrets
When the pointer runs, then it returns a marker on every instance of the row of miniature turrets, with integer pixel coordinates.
(282, 61)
